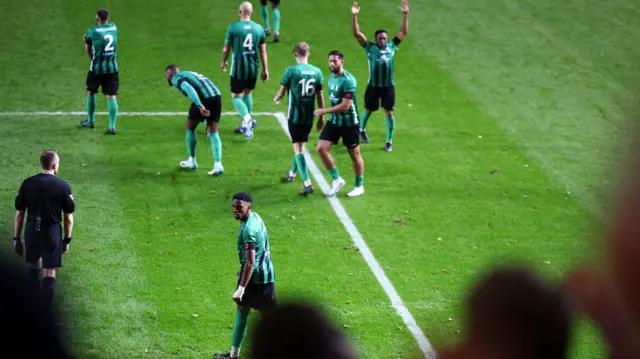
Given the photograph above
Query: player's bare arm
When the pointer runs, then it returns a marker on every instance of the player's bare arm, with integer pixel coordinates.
(247, 271)
(342, 107)
(226, 49)
(263, 58)
(355, 9)
(280, 94)
(17, 230)
(88, 48)
(405, 20)
(68, 229)
(320, 99)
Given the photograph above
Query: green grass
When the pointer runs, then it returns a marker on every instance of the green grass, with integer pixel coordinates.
(545, 85)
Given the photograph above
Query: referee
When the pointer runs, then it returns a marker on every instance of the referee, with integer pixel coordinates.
(44, 197)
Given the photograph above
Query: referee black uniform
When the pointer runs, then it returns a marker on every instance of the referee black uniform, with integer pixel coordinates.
(44, 197)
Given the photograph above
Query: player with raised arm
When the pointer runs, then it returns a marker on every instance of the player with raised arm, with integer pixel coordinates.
(343, 123)
(206, 106)
(101, 46)
(381, 86)
(246, 38)
(264, 12)
(304, 83)
(256, 278)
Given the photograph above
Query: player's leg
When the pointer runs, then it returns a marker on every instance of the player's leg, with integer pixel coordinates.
(190, 125)
(330, 136)
(239, 333)
(237, 95)
(213, 122)
(264, 12)
(302, 137)
(92, 89)
(276, 20)
(248, 86)
(110, 89)
(350, 140)
(291, 173)
(371, 104)
(388, 102)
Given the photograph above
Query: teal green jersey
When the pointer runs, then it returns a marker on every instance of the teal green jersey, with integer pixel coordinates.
(245, 38)
(104, 41)
(342, 87)
(204, 88)
(253, 234)
(303, 81)
(381, 62)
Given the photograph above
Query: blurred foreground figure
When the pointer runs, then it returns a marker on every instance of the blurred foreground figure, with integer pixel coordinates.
(514, 314)
(298, 330)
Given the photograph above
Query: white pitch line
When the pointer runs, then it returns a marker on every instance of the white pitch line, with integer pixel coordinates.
(375, 267)
(82, 113)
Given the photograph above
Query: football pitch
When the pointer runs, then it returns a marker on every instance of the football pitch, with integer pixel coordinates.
(508, 120)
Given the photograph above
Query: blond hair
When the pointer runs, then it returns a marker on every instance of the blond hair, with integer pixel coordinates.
(301, 49)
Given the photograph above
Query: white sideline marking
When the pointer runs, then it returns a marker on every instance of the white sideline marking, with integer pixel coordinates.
(377, 270)
(375, 267)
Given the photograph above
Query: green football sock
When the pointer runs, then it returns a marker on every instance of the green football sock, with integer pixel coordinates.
(248, 101)
(302, 166)
(265, 15)
(239, 329)
(241, 107)
(91, 108)
(276, 20)
(334, 173)
(294, 165)
(391, 124)
(216, 146)
(359, 181)
(191, 142)
(364, 118)
(113, 112)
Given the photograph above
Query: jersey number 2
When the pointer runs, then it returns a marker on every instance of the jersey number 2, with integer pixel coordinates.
(248, 42)
(307, 87)
(109, 46)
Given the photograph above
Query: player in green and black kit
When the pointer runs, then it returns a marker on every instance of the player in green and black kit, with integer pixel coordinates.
(343, 123)
(381, 86)
(304, 83)
(206, 106)
(246, 38)
(101, 46)
(256, 279)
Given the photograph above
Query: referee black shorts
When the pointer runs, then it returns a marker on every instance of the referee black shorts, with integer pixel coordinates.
(45, 244)
(259, 296)
(213, 104)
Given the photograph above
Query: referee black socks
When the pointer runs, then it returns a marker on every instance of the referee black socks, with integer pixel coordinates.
(48, 283)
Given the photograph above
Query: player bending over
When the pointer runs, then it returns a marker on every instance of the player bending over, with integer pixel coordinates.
(245, 37)
(343, 123)
(256, 280)
(381, 86)
(206, 106)
(304, 82)
(101, 46)
(264, 11)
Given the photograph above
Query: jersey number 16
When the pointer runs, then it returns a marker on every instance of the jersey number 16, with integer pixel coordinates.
(308, 87)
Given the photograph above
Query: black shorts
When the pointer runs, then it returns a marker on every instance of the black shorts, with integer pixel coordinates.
(45, 244)
(374, 95)
(213, 104)
(259, 296)
(273, 2)
(108, 82)
(299, 133)
(350, 135)
(238, 86)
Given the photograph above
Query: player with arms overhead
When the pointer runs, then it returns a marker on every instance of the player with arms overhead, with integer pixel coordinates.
(256, 279)
(246, 38)
(206, 106)
(264, 11)
(101, 46)
(381, 86)
(343, 123)
(304, 82)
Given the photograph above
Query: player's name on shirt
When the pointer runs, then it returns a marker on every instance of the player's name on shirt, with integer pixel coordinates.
(103, 29)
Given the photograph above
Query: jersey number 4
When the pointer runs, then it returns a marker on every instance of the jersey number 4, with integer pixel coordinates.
(308, 88)
(248, 42)
(109, 46)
